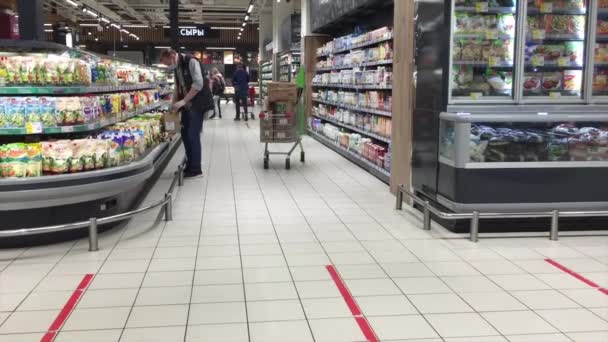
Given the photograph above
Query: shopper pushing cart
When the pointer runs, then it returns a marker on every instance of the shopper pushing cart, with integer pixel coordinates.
(279, 121)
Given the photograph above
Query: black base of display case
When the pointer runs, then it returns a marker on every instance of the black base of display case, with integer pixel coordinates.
(528, 186)
(75, 212)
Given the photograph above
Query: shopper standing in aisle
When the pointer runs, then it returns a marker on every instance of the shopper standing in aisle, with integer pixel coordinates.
(192, 97)
(218, 87)
(240, 81)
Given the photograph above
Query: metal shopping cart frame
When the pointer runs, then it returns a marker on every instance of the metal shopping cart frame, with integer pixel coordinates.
(280, 129)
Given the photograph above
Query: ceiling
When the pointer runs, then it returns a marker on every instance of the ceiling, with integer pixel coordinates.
(156, 12)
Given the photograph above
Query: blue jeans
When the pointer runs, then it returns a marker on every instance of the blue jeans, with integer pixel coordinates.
(192, 125)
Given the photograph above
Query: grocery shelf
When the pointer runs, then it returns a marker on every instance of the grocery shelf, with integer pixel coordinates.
(490, 10)
(351, 66)
(72, 90)
(570, 11)
(555, 64)
(558, 36)
(84, 127)
(482, 35)
(378, 172)
(356, 87)
(356, 108)
(484, 63)
(358, 46)
(601, 37)
(353, 128)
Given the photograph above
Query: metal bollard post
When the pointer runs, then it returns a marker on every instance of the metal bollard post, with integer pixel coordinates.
(93, 242)
(180, 176)
(554, 234)
(426, 211)
(399, 204)
(475, 227)
(168, 207)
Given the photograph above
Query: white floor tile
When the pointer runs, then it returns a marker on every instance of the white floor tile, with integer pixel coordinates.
(172, 278)
(385, 306)
(492, 301)
(372, 287)
(289, 331)
(318, 289)
(217, 333)
(574, 320)
(336, 330)
(28, 322)
(158, 316)
(270, 291)
(327, 308)
(545, 299)
(217, 293)
(389, 328)
(163, 295)
(107, 298)
(460, 325)
(267, 275)
(106, 335)
(276, 310)
(439, 303)
(157, 334)
(422, 285)
(217, 277)
(97, 318)
(541, 338)
(518, 322)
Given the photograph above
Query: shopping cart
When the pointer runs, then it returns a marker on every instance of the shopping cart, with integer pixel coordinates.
(280, 129)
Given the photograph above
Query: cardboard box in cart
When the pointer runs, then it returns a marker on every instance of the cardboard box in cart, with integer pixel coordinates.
(278, 121)
(282, 91)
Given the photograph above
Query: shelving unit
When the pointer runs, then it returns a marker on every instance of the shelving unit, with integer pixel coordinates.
(266, 76)
(348, 56)
(365, 164)
(289, 63)
(89, 127)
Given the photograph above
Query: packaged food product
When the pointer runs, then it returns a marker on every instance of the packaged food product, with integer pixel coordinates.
(47, 111)
(15, 112)
(32, 110)
(573, 80)
(462, 78)
(34, 160)
(101, 153)
(532, 83)
(552, 81)
(600, 80)
(16, 160)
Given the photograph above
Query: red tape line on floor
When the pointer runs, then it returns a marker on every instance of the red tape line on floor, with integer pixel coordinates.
(572, 273)
(577, 276)
(366, 329)
(51, 333)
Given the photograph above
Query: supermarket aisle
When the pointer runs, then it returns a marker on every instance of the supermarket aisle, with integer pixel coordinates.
(246, 260)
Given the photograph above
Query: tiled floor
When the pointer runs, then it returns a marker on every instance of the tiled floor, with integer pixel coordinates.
(244, 260)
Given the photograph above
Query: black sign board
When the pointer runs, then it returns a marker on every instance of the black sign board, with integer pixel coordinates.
(327, 11)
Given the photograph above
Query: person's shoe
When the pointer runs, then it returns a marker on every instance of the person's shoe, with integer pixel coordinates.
(252, 116)
(246, 119)
(220, 116)
(237, 119)
(211, 117)
(192, 174)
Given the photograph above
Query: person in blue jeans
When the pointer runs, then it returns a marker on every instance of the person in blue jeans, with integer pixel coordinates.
(240, 82)
(194, 99)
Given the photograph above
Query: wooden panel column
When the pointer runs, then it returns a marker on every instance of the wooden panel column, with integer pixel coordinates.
(403, 93)
(311, 44)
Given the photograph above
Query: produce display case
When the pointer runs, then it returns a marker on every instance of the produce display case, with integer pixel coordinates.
(510, 110)
(289, 64)
(81, 135)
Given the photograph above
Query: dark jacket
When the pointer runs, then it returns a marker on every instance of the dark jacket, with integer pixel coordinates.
(203, 101)
(240, 81)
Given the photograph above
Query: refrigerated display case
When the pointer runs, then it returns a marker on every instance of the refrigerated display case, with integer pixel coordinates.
(81, 135)
(511, 104)
(289, 64)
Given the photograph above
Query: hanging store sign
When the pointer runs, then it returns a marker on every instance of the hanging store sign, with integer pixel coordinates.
(192, 31)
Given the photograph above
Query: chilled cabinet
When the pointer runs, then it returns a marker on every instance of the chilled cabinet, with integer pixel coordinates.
(511, 107)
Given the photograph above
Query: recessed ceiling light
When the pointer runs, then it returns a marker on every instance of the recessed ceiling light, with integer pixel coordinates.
(250, 8)
(244, 24)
